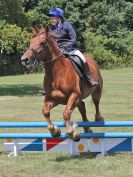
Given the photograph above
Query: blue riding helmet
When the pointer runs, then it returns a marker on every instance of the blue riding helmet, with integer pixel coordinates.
(56, 12)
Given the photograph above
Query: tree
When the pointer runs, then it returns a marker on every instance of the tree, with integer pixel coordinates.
(129, 16)
(29, 4)
(104, 28)
(12, 12)
(14, 42)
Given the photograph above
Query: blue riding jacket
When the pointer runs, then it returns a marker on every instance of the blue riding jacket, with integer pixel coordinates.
(67, 35)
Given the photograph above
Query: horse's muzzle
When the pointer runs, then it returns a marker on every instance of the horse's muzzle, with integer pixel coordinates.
(23, 61)
(26, 62)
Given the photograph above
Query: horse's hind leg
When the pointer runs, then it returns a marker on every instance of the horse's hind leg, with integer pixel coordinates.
(96, 99)
(82, 110)
(48, 105)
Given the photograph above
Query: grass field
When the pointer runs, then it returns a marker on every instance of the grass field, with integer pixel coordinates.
(19, 101)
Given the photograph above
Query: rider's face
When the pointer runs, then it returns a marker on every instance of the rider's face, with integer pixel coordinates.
(55, 20)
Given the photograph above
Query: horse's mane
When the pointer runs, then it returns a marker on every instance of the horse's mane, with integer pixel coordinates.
(53, 35)
(52, 39)
(49, 35)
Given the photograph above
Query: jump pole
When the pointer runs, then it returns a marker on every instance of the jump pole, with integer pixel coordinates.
(62, 124)
(65, 136)
(103, 142)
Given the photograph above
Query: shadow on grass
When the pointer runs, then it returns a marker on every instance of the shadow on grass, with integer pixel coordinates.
(19, 90)
(83, 156)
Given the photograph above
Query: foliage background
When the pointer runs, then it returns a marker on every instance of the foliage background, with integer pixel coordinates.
(104, 29)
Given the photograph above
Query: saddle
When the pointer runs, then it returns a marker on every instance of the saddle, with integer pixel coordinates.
(77, 64)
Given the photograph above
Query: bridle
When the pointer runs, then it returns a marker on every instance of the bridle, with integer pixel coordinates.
(37, 55)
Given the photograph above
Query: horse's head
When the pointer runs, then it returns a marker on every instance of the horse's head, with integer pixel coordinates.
(35, 51)
(39, 47)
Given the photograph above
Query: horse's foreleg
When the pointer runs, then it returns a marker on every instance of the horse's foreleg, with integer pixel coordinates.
(48, 105)
(82, 110)
(71, 104)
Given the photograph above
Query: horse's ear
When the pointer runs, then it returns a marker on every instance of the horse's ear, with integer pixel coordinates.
(47, 29)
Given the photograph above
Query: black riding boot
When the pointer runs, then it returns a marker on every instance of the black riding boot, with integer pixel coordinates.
(88, 75)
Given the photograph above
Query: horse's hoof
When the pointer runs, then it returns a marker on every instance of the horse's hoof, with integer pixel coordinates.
(76, 137)
(56, 132)
(72, 132)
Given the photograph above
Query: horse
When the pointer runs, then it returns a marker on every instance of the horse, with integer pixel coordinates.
(61, 83)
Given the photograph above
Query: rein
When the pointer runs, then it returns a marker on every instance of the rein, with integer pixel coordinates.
(58, 57)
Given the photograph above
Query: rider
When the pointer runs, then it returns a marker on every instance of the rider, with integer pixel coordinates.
(67, 39)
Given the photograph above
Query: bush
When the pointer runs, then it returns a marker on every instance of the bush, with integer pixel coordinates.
(109, 52)
(14, 42)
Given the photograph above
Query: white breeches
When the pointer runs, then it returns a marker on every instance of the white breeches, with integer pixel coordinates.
(78, 53)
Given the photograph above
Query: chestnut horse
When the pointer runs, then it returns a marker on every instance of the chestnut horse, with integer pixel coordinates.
(62, 84)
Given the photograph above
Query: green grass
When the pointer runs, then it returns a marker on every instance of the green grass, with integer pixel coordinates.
(19, 101)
